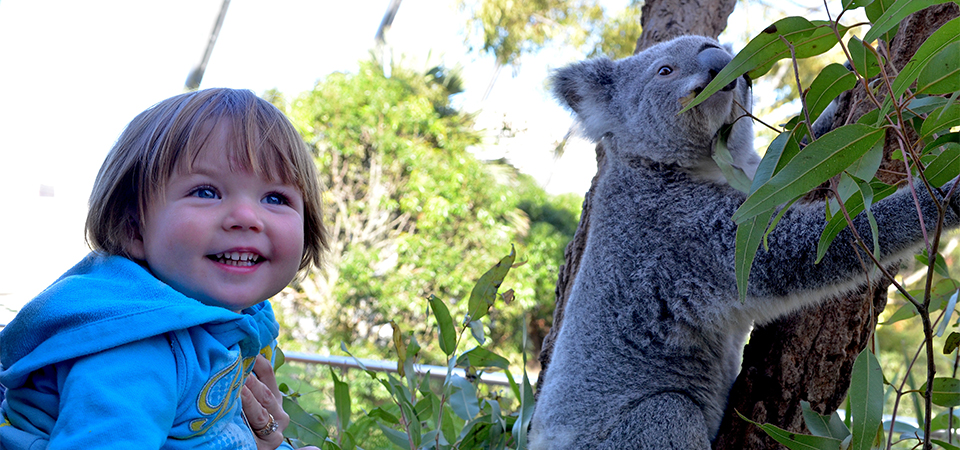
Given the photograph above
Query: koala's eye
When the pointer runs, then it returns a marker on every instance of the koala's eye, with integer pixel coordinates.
(664, 71)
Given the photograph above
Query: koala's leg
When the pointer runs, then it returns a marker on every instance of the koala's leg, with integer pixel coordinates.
(665, 421)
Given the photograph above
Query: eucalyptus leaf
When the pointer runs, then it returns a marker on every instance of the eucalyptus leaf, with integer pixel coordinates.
(946, 392)
(463, 398)
(931, 47)
(826, 426)
(941, 119)
(942, 73)
(832, 81)
(899, 10)
(447, 330)
(809, 38)
(796, 441)
(485, 291)
(866, 399)
(864, 58)
(818, 162)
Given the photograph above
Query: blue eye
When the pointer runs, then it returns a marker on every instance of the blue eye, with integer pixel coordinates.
(275, 199)
(204, 192)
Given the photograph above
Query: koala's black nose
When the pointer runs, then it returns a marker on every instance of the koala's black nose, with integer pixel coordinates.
(714, 59)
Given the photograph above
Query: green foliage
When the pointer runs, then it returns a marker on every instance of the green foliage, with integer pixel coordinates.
(511, 29)
(414, 212)
(455, 415)
(921, 98)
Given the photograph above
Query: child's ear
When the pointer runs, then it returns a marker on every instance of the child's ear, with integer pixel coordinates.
(134, 240)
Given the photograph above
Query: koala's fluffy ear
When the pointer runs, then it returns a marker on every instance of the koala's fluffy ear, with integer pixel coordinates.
(587, 88)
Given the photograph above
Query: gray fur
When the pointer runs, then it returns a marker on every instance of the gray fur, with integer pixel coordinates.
(653, 328)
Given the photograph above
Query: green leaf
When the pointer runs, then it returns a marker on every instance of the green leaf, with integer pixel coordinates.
(942, 74)
(278, 358)
(780, 151)
(463, 398)
(476, 330)
(866, 399)
(414, 431)
(735, 176)
(382, 414)
(749, 235)
(934, 44)
(485, 291)
(796, 441)
(818, 162)
(809, 38)
(480, 357)
(854, 205)
(947, 313)
(951, 344)
(341, 400)
(864, 58)
(875, 10)
(944, 166)
(941, 119)
(832, 81)
(447, 330)
(525, 412)
(945, 445)
(308, 429)
(853, 4)
(825, 426)
(946, 392)
(891, 17)
(398, 438)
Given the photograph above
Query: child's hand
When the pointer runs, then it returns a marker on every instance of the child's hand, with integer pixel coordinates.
(262, 404)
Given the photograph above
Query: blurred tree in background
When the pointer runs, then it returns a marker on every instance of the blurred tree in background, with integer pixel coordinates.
(412, 212)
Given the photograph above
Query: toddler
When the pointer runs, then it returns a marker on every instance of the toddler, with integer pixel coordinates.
(208, 205)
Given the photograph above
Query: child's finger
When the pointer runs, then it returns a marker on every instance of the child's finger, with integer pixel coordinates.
(265, 428)
(263, 384)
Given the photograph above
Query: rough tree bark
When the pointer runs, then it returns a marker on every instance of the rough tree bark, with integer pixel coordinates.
(806, 356)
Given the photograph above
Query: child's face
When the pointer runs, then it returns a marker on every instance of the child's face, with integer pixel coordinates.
(224, 237)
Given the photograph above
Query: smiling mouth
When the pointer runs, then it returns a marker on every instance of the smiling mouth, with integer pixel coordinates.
(242, 259)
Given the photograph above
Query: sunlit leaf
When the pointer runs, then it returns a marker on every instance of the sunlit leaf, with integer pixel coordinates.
(341, 400)
(809, 38)
(892, 16)
(447, 330)
(932, 46)
(480, 357)
(485, 292)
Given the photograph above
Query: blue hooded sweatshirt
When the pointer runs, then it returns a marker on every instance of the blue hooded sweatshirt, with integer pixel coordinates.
(108, 356)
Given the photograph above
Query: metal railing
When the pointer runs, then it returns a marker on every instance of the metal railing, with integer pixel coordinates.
(435, 372)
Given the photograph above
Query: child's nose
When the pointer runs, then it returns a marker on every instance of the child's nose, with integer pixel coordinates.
(243, 215)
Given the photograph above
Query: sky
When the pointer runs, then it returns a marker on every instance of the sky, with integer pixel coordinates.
(73, 74)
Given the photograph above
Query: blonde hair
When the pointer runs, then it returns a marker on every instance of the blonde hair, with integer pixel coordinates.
(172, 133)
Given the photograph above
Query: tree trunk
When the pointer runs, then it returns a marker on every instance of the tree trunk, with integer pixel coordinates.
(808, 355)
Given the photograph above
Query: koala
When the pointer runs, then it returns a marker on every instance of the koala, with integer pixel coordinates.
(653, 328)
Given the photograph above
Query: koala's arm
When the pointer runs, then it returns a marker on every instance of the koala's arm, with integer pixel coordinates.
(788, 268)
